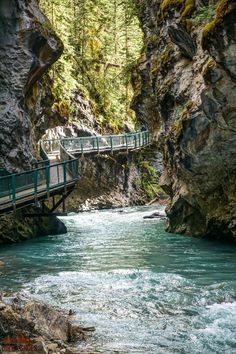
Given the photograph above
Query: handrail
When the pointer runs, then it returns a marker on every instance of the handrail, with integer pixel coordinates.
(47, 177)
(73, 167)
(111, 143)
(102, 136)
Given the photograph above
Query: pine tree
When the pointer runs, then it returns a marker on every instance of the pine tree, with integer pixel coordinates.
(102, 41)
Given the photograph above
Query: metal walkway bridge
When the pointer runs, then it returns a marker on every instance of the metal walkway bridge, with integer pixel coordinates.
(57, 173)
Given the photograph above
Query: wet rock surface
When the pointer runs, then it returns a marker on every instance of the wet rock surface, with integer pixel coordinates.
(20, 226)
(31, 326)
(186, 92)
(156, 215)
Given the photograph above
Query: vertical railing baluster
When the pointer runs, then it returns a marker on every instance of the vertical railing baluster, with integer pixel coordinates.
(111, 143)
(35, 183)
(76, 169)
(135, 141)
(98, 147)
(13, 182)
(47, 172)
(126, 141)
(9, 189)
(82, 146)
(64, 174)
(58, 176)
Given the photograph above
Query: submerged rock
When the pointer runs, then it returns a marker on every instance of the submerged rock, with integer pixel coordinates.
(156, 215)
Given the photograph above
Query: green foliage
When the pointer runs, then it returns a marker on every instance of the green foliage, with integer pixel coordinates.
(102, 41)
(149, 180)
(205, 14)
(224, 7)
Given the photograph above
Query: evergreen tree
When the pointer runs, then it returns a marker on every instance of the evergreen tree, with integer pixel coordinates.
(102, 42)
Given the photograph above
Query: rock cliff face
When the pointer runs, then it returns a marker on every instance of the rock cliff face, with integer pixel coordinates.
(28, 47)
(108, 182)
(18, 227)
(186, 93)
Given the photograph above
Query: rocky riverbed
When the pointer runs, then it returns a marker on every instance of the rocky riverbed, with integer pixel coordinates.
(31, 326)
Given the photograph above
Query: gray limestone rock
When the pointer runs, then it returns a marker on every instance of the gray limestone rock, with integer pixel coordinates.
(27, 49)
(190, 107)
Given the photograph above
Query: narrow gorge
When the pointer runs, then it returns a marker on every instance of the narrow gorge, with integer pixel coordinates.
(117, 170)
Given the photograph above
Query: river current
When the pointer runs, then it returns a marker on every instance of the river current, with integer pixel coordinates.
(144, 290)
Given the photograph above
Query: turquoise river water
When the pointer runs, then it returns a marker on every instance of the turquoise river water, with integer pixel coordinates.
(144, 290)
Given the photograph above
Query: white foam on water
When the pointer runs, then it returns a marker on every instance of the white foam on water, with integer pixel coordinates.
(144, 290)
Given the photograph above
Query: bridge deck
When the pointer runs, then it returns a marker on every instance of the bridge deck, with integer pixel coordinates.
(58, 171)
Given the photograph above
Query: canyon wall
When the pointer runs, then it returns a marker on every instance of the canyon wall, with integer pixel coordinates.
(28, 47)
(185, 87)
(113, 181)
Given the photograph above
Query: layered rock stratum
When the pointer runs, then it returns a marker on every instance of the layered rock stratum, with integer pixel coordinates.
(185, 87)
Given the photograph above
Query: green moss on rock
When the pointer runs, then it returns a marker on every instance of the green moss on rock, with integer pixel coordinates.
(186, 7)
(167, 4)
(224, 8)
(183, 114)
(149, 180)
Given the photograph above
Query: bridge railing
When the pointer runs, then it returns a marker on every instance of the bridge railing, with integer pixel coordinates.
(107, 142)
(50, 146)
(34, 182)
(46, 177)
(73, 165)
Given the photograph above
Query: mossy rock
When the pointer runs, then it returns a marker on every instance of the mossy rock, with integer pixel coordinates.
(177, 125)
(224, 8)
(186, 7)
(149, 180)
